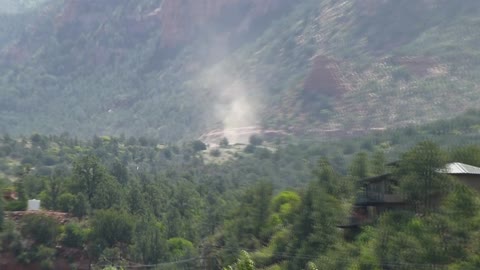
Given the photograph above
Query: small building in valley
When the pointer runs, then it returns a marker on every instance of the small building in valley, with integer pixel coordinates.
(466, 174)
(381, 193)
(375, 195)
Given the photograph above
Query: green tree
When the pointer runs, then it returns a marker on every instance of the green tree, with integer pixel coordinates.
(468, 154)
(261, 207)
(88, 173)
(199, 146)
(111, 227)
(66, 202)
(419, 175)
(359, 166)
(314, 231)
(327, 177)
(150, 244)
(108, 193)
(120, 172)
(179, 248)
(285, 204)
(53, 188)
(183, 211)
(42, 229)
(81, 206)
(243, 263)
(378, 162)
(74, 235)
(224, 143)
(214, 213)
(248, 222)
(255, 140)
(45, 255)
(135, 199)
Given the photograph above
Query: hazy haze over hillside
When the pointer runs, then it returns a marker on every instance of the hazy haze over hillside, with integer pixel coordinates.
(240, 134)
(177, 69)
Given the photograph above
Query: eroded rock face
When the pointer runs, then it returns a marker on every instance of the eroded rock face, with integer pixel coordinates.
(105, 30)
(416, 65)
(324, 77)
(178, 20)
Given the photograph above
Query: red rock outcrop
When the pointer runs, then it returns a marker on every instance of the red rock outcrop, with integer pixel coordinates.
(177, 20)
(324, 77)
(419, 66)
(60, 217)
(180, 19)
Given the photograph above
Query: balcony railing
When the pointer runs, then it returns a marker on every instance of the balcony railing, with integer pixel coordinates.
(378, 197)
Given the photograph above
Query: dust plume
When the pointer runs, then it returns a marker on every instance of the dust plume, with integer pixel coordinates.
(236, 103)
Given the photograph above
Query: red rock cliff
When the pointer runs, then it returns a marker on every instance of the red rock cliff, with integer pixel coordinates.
(178, 20)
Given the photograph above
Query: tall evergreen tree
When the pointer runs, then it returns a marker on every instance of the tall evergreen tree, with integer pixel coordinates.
(419, 173)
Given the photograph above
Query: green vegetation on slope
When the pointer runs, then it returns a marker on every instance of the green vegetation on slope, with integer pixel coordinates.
(133, 201)
(103, 72)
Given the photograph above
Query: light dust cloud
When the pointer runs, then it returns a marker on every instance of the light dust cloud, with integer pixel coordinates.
(236, 103)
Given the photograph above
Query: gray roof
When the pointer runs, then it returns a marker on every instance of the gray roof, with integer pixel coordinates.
(375, 178)
(460, 168)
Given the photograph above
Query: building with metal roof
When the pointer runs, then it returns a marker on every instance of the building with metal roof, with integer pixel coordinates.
(381, 193)
(461, 168)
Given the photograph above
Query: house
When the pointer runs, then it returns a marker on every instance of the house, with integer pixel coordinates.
(375, 196)
(466, 174)
(381, 193)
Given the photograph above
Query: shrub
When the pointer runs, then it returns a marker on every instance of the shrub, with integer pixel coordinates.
(215, 153)
(45, 256)
(249, 148)
(112, 227)
(81, 206)
(224, 143)
(19, 205)
(255, 140)
(42, 229)
(74, 235)
(180, 248)
(66, 202)
(11, 239)
(199, 146)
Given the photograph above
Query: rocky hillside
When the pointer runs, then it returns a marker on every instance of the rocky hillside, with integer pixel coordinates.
(177, 69)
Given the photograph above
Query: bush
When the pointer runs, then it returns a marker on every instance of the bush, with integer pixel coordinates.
(249, 148)
(112, 227)
(45, 256)
(255, 140)
(41, 229)
(180, 248)
(19, 205)
(224, 143)
(215, 153)
(11, 239)
(199, 146)
(28, 160)
(74, 235)
(48, 160)
(81, 206)
(263, 153)
(66, 202)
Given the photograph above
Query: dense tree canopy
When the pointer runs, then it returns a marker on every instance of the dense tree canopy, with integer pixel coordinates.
(153, 205)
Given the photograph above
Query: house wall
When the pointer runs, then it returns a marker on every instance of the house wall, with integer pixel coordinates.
(383, 191)
(470, 180)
